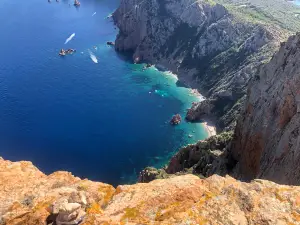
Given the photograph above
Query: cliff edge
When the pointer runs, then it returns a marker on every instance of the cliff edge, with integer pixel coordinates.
(29, 197)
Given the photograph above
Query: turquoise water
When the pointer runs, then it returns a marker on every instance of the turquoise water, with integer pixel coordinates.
(297, 2)
(103, 121)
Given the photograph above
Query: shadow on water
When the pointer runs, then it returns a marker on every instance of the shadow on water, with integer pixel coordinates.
(125, 56)
(181, 84)
(141, 79)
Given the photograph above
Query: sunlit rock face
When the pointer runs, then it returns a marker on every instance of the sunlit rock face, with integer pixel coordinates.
(266, 141)
(27, 197)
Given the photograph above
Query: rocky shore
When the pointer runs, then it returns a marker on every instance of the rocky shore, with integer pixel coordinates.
(265, 143)
(29, 197)
(220, 47)
(215, 46)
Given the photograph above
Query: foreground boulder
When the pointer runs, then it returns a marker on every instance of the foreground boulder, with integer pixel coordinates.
(29, 197)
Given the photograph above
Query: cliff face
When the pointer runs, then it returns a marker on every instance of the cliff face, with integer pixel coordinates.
(27, 197)
(205, 43)
(266, 141)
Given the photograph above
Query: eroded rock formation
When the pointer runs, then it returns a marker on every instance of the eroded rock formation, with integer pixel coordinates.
(29, 197)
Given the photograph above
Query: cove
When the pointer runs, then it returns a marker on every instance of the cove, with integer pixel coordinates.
(102, 121)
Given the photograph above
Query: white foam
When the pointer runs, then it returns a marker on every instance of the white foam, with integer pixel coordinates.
(70, 38)
(93, 57)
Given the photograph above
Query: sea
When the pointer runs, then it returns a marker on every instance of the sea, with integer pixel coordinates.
(103, 121)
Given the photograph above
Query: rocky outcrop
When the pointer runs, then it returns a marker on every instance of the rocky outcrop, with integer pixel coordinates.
(214, 46)
(150, 173)
(207, 157)
(176, 119)
(266, 141)
(29, 197)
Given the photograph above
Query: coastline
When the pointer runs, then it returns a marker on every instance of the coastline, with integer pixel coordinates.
(208, 126)
(193, 91)
(210, 129)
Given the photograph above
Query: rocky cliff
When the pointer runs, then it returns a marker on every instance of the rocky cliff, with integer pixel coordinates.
(29, 197)
(205, 158)
(214, 46)
(266, 140)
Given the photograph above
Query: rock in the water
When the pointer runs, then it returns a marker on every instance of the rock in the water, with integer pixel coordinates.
(110, 43)
(176, 119)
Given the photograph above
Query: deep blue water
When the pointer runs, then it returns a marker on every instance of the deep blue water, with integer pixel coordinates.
(102, 121)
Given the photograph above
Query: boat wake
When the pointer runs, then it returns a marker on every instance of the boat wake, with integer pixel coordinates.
(70, 38)
(93, 57)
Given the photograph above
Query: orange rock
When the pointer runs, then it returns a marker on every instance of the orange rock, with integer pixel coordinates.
(179, 200)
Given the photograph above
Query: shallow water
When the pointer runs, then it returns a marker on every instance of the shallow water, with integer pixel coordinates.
(102, 121)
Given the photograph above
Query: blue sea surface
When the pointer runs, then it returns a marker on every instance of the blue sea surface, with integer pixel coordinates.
(102, 121)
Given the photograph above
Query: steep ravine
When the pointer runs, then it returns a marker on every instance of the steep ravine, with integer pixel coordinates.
(209, 45)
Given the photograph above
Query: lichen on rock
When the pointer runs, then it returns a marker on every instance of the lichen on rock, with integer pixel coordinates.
(178, 200)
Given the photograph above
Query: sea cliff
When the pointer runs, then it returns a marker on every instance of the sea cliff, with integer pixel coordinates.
(265, 143)
(266, 139)
(215, 46)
